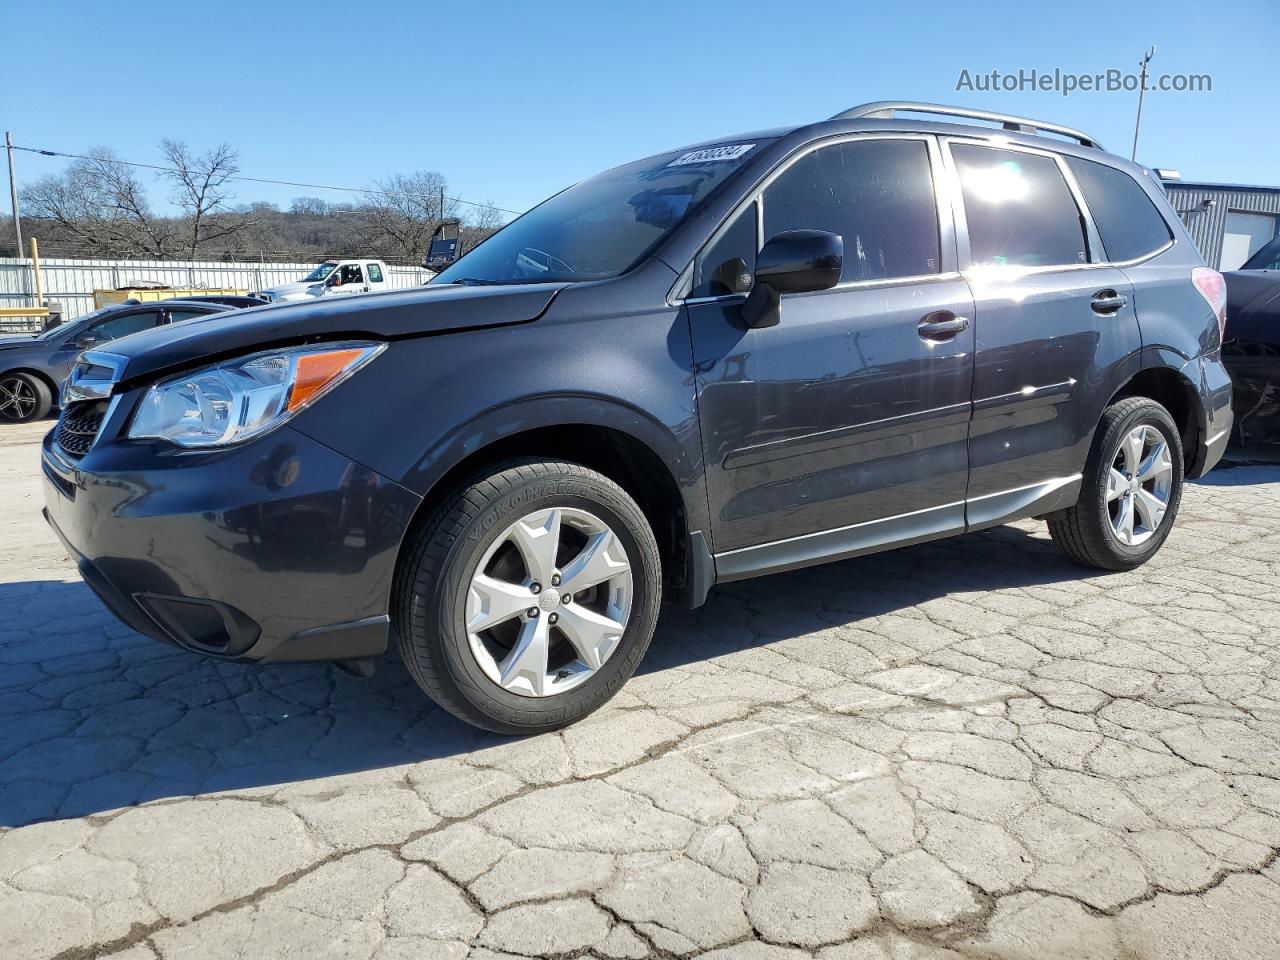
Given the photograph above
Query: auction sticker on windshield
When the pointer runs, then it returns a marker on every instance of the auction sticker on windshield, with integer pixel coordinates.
(712, 154)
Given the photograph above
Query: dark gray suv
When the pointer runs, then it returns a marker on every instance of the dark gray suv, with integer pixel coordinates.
(726, 360)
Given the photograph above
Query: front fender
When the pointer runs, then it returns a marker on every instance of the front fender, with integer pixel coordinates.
(675, 445)
(428, 403)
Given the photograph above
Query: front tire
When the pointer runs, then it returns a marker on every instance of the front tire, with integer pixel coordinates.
(527, 599)
(23, 398)
(1131, 490)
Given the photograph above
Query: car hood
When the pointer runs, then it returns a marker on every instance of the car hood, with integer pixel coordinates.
(423, 311)
(19, 340)
(283, 290)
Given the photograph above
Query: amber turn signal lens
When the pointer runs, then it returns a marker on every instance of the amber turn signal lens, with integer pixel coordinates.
(315, 371)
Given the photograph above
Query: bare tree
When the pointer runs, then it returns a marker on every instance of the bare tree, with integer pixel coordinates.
(309, 207)
(99, 203)
(199, 189)
(403, 213)
(482, 222)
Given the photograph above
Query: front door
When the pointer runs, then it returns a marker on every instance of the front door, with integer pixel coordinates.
(348, 279)
(1052, 328)
(845, 426)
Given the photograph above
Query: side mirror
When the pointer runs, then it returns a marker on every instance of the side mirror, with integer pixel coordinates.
(334, 280)
(86, 340)
(794, 261)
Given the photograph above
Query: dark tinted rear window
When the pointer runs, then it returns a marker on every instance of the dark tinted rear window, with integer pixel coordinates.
(1019, 209)
(1128, 221)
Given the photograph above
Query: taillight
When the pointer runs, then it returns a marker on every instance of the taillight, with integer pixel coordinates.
(1213, 287)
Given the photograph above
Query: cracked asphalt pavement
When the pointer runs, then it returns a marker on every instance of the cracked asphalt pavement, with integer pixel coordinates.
(968, 749)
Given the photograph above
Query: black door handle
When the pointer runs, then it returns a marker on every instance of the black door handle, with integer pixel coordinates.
(1108, 302)
(940, 326)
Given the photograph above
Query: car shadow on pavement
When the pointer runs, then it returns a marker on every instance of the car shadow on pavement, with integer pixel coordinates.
(94, 717)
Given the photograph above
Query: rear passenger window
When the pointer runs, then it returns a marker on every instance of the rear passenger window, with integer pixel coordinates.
(1019, 209)
(1130, 225)
(375, 273)
(178, 316)
(728, 264)
(877, 194)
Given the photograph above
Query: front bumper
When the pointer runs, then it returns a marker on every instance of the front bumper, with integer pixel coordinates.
(281, 549)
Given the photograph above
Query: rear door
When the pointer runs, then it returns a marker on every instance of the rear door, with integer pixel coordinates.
(182, 314)
(1056, 327)
(845, 425)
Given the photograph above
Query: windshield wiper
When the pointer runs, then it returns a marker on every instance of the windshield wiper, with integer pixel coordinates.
(477, 282)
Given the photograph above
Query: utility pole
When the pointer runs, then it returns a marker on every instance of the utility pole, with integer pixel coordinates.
(13, 191)
(1142, 91)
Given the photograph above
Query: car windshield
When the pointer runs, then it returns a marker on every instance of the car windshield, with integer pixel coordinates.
(1268, 258)
(601, 227)
(319, 273)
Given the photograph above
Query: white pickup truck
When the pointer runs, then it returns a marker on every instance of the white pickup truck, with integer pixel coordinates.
(333, 278)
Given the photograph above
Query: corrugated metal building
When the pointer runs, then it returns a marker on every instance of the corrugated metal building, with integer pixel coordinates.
(1228, 221)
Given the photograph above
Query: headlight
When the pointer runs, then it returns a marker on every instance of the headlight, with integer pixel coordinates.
(246, 397)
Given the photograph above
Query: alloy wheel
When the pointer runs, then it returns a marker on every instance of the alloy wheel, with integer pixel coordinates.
(1139, 485)
(549, 602)
(17, 399)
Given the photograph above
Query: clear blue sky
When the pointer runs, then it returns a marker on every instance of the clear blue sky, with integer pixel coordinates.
(513, 101)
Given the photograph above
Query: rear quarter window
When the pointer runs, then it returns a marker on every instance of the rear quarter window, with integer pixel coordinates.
(1127, 220)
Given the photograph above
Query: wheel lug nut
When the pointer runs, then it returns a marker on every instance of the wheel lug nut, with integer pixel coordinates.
(532, 613)
(552, 618)
(555, 579)
(566, 598)
(535, 587)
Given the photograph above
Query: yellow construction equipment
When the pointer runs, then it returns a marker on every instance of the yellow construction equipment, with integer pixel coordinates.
(102, 298)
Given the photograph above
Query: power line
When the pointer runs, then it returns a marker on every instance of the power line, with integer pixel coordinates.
(282, 183)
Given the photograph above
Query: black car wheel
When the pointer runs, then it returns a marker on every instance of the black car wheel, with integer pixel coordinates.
(528, 597)
(23, 398)
(1131, 491)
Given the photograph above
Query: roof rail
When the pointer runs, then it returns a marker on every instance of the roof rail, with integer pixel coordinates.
(886, 110)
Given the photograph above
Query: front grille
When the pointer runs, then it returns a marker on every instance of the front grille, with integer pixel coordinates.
(79, 425)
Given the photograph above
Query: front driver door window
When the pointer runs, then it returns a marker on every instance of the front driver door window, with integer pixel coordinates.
(113, 328)
(843, 413)
(351, 275)
(98, 333)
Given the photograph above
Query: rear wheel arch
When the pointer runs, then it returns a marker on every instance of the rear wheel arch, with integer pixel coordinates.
(1172, 390)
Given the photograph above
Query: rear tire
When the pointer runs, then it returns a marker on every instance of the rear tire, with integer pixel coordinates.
(1131, 490)
(480, 558)
(24, 398)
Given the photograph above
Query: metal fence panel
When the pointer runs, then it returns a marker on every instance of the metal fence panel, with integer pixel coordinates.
(72, 282)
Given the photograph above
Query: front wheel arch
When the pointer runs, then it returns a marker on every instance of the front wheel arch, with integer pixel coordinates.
(44, 404)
